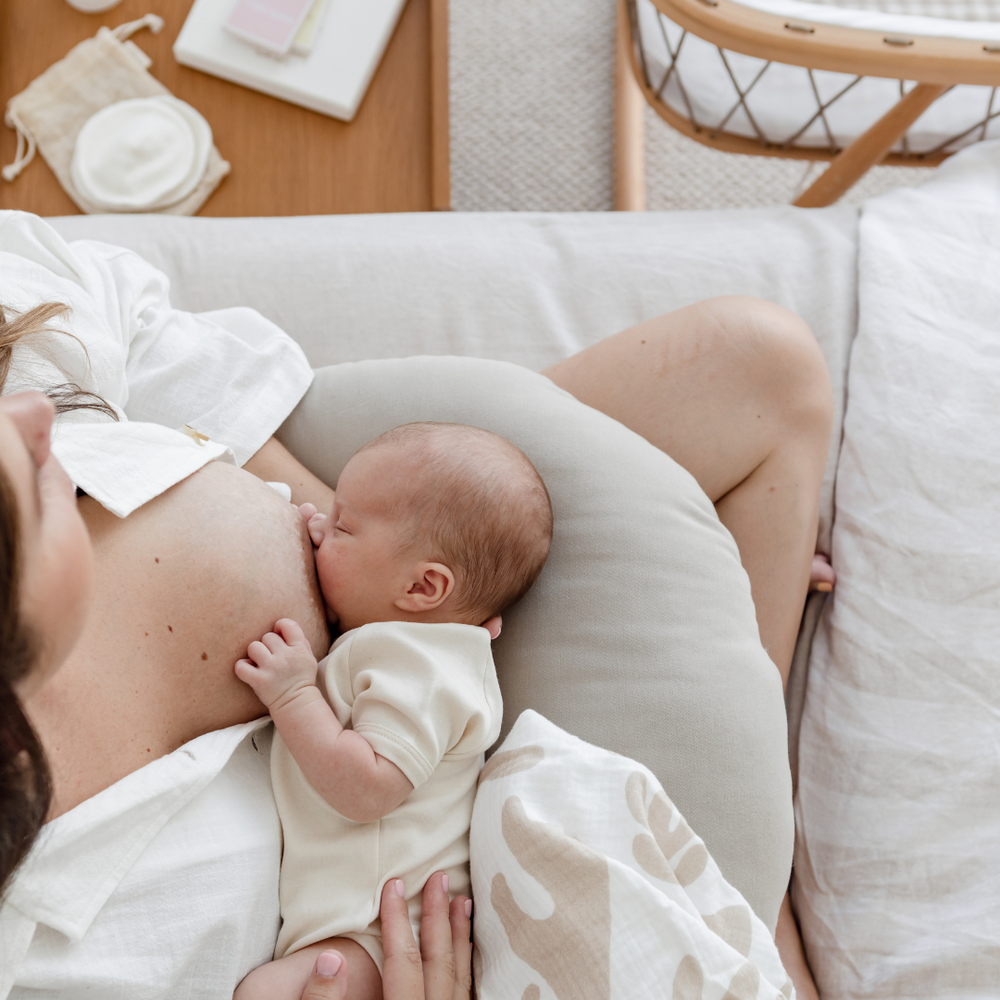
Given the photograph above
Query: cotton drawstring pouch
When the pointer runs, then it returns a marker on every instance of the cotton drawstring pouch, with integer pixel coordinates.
(52, 110)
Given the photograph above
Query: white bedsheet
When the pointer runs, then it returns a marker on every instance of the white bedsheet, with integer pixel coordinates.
(898, 808)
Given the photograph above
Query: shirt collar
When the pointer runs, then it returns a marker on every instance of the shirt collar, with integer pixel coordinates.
(80, 858)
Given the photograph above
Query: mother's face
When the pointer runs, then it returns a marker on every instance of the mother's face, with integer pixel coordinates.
(56, 560)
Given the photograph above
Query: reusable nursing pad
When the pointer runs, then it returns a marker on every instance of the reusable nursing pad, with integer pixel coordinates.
(143, 150)
(141, 154)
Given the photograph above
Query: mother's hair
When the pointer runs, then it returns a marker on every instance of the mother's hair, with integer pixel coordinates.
(25, 785)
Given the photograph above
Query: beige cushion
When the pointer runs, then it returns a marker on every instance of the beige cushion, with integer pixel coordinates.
(640, 635)
(899, 779)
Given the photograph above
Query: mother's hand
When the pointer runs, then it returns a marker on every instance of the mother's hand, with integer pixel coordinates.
(441, 969)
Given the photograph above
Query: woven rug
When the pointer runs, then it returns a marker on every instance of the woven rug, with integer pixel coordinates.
(532, 116)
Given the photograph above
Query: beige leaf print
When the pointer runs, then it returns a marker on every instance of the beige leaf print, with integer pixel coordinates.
(745, 983)
(652, 857)
(689, 980)
(506, 762)
(572, 947)
(531, 993)
(635, 796)
(733, 925)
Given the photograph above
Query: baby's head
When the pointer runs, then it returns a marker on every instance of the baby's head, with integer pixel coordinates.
(432, 522)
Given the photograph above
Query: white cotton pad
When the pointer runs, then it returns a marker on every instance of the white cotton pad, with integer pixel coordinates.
(141, 154)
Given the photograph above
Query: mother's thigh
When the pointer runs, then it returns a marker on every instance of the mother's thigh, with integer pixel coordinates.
(640, 634)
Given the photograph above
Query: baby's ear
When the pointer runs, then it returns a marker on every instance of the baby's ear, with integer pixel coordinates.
(428, 587)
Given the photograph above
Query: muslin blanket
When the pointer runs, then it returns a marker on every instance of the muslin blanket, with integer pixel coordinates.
(589, 885)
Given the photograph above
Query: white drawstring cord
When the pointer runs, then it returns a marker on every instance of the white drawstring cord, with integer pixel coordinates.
(25, 146)
(152, 21)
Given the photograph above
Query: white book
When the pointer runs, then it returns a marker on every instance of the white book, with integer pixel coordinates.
(331, 79)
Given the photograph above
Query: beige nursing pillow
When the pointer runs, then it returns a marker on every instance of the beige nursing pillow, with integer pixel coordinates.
(640, 634)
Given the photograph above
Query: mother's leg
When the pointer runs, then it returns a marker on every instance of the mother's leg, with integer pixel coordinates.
(735, 390)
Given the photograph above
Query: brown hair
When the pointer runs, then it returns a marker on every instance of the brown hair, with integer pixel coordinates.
(25, 786)
(25, 782)
(15, 326)
(482, 506)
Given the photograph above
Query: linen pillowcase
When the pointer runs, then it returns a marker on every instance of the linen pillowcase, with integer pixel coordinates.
(898, 853)
(640, 635)
(590, 884)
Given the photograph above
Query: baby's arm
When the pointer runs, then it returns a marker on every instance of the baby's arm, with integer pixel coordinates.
(339, 763)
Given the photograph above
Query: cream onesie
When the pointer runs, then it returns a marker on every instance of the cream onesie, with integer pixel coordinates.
(426, 697)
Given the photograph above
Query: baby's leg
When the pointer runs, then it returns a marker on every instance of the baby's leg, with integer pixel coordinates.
(285, 978)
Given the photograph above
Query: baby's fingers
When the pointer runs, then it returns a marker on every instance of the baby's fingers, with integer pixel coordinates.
(246, 671)
(291, 633)
(260, 651)
(316, 525)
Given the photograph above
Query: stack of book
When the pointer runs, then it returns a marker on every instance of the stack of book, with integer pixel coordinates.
(321, 54)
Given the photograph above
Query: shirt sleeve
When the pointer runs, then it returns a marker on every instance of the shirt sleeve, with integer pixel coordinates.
(232, 375)
(423, 692)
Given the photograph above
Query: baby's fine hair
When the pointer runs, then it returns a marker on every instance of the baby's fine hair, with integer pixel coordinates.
(482, 506)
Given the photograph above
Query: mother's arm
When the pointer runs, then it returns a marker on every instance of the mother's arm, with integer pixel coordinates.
(275, 463)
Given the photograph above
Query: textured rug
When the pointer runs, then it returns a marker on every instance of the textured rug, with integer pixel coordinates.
(532, 116)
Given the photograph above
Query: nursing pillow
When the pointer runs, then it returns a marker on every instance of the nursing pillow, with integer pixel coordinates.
(640, 635)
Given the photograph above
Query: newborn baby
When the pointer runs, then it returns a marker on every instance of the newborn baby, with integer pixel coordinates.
(436, 529)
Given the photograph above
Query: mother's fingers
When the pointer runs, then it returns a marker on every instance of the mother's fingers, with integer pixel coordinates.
(329, 978)
(402, 973)
(436, 940)
(461, 944)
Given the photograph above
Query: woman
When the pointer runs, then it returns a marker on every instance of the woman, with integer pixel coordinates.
(735, 390)
(46, 576)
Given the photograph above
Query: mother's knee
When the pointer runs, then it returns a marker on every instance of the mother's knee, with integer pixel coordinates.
(780, 359)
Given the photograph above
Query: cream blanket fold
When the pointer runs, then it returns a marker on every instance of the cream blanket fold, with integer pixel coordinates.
(590, 885)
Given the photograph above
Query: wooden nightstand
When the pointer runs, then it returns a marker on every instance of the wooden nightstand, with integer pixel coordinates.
(286, 160)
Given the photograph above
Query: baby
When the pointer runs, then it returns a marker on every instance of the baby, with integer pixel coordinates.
(436, 529)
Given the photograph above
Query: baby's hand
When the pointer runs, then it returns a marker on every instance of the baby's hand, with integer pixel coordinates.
(315, 522)
(279, 666)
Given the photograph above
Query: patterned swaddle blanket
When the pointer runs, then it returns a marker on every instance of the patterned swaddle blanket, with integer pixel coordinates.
(590, 885)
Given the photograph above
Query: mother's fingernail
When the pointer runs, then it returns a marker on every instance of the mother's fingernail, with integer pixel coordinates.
(329, 963)
(444, 883)
(468, 907)
(399, 887)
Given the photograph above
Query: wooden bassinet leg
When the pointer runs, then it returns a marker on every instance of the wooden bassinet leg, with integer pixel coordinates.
(851, 164)
(440, 123)
(630, 165)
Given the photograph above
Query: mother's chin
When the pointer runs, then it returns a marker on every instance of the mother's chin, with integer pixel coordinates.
(182, 586)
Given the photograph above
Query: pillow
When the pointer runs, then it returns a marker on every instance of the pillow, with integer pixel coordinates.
(640, 634)
(589, 883)
(898, 801)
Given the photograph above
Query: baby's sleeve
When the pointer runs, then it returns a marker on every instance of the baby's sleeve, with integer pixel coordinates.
(424, 692)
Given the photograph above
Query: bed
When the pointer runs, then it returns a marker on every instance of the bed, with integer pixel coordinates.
(893, 704)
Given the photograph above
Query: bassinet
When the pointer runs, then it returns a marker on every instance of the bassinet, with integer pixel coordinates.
(809, 81)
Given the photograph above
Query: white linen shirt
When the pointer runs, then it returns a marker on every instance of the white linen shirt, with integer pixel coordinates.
(231, 375)
(164, 885)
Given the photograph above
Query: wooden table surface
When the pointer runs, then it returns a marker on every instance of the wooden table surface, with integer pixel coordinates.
(285, 160)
